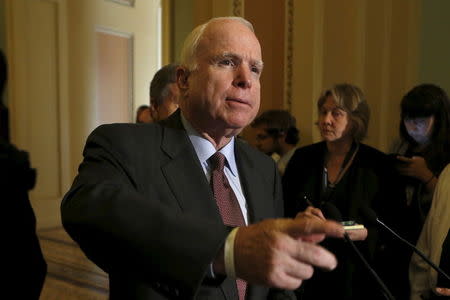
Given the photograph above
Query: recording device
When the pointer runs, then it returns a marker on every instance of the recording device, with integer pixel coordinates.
(331, 212)
(371, 217)
(351, 225)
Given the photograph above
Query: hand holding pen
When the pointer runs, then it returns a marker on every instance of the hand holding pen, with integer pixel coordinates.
(356, 232)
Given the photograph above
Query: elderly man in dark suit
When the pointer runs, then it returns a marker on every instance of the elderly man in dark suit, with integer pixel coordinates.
(152, 206)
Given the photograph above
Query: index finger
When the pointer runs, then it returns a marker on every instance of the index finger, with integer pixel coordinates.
(404, 159)
(443, 291)
(315, 255)
(308, 226)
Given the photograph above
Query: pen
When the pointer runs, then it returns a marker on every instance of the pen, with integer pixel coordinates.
(308, 201)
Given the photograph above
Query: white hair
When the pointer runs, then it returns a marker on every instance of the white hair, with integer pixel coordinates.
(188, 52)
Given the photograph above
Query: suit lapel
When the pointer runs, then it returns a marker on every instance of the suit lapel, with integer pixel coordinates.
(252, 184)
(184, 174)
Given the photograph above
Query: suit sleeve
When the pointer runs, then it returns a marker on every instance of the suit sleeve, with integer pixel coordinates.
(124, 232)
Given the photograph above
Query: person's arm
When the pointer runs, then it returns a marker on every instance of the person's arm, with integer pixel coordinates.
(417, 167)
(443, 291)
(281, 253)
(124, 232)
(422, 277)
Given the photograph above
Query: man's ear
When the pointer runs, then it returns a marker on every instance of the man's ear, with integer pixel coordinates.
(182, 78)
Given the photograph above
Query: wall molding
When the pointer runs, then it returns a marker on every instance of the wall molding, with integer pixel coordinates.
(130, 41)
(238, 8)
(289, 53)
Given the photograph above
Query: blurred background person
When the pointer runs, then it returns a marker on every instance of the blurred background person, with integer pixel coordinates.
(434, 242)
(143, 114)
(276, 132)
(4, 115)
(346, 173)
(164, 92)
(422, 151)
(24, 264)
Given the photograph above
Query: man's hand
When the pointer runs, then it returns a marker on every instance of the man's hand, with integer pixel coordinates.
(281, 253)
(443, 291)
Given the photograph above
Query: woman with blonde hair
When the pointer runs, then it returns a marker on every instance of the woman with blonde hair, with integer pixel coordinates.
(350, 175)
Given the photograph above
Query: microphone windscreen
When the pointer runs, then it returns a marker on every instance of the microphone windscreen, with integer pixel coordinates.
(369, 215)
(330, 211)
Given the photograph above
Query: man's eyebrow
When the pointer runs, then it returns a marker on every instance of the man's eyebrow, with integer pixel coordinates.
(226, 55)
(257, 63)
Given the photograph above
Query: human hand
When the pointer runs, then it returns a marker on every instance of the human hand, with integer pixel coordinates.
(354, 234)
(443, 291)
(281, 253)
(415, 166)
(312, 212)
(357, 234)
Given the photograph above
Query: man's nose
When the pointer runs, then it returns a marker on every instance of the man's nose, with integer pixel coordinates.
(243, 77)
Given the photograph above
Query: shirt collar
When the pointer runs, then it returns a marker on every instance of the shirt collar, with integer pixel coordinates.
(205, 148)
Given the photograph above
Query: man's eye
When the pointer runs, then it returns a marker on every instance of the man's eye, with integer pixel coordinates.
(256, 70)
(227, 62)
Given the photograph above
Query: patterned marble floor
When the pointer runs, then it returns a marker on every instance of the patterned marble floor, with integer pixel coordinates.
(70, 276)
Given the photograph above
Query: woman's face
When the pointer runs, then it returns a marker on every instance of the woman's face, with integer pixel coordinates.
(333, 121)
(420, 129)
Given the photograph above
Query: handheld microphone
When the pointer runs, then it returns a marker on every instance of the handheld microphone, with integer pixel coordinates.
(371, 217)
(332, 212)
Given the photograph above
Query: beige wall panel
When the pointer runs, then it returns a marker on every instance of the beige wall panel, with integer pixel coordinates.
(268, 19)
(114, 78)
(42, 111)
(203, 10)
(85, 16)
(53, 85)
(182, 24)
(342, 46)
(377, 77)
(81, 77)
(435, 38)
(354, 41)
(36, 98)
(307, 77)
(403, 64)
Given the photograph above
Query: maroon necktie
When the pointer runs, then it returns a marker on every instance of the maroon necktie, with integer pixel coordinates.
(227, 203)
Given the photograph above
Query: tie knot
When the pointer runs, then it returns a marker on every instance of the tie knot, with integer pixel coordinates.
(217, 161)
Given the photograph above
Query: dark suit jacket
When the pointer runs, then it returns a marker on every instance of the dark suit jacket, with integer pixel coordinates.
(142, 209)
(23, 260)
